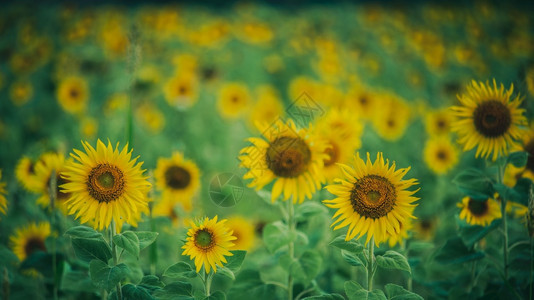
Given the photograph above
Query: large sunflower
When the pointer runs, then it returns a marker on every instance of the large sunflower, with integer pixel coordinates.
(294, 158)
(29, 239)
(488, 119)
(372, 199)
(440, 155)
(178, 178)
(208, 243)
(479, 212)
(105, 185)
(3, 201)
(48, 163)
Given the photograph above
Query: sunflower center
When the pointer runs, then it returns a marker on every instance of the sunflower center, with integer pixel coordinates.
(31, 169)
(390, 123)
(363, 100)
(477, 208)
(204, 239)
(288, 157)
(529, 147)
(182, 90)
(177, 177)
(333, 153)
(441, 124)
(373, 196)
(34, 244)
(441, 155)
(74, 93)
(105, 183)
(425, 224)
(492, 118)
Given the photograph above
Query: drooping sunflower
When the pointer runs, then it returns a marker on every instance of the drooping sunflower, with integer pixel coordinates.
(25, 173)
(72, 94)
(47, 164)
(294, 158)
(372, 199)
(479, 212)
(243, 230)
(234, 99)
(105, 185)
(29, 239)
(178, 179)
(3, 201)
(181, 91)
(208, 244)
(440, 155)
(488, 119)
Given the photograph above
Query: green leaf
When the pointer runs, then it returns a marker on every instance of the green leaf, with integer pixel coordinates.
(135, 292)
(88, 249)
(309, 209)
(107, 277)
(396, 292)
(275, 236)
(518, 159)
(236, 260)
(218, 295)
(356, 292)
(325, 297)
(84, 232)
(474, 183)
(419, 245)
(77, 281)
(307, 267)
(455, 251)
(351, 246)
(353, 259)
(393, 260)
(175, 291)
(151, 282)
(145, 238)
(128, 241)
(180, 270)
(472, 234)
(226, 272)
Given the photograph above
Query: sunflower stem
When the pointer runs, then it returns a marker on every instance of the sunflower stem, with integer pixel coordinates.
(5, 284)
(370, 264)
(112, 233)
(208, 284)
(291, 225)
(154, 247)
(500, 176)
(52, 194)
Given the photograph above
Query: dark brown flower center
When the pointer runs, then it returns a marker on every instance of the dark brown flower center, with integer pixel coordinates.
(373, 196)
(204, 239)
(177, 177)
(288, 156)
(31, 168)
(182, 90)
(529, 148)
(478, 208)
(333, 153)
(363, 100)
(440, 124)
(441, 155)
(74, 93)
(426, 224)
(105, 183)
(492, 118)
(34, 244)
(390, 123)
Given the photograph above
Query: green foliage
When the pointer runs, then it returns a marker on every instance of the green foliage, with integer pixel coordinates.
(325, 297)
(351, 246)
(472, 234)
(276, 235)
(89, 244)
(393, 260)
(474, 183)
(77, 281)
(396, 292)
(305, 268)
(146, 238)
(233, 264)
(519, 193)
(356, 292)
(518, 159)
(455, 251)
(180, 270)
(178, 290)
(128, 241)
(309, 209)
(136, 292)
(106, 277)
(218, 295)
(43, 262)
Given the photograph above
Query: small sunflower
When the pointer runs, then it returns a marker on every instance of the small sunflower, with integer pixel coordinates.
(479, 212)
(178, 178)
(267, 108)
(488, 119)
(294, 158)
(243, 230)
(234, 99)
(21, 92)
(372, 199)
(393, 117)
(72, 94)
(105, 185)
(167, 209)
(438, 122)
(440, 155)
(3, 201)
(208, 243)
(25, 173)
(29, 239)
(181, 91)
(424, 229)
(48, 163)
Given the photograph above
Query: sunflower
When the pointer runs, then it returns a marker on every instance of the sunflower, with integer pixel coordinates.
(243, 230)
(181, 91)
(72, 94)
(234, 99)
(403, 234)
(479, 212)
(391, 121)
(372, 199)
(178, 178)
(526, 144)
(440, 155)
(424, 228)
(488, 119)
(267, 108)
(438, 122)
(208, 243)
(27, 240)
(25, 173)
(151, 117)
(3, 201)
(293, 157)
(21, 92)
(517, 210)
(167, 209)
(105, 185)
(47, 164)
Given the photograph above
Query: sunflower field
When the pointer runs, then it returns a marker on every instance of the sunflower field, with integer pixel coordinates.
(267, 150)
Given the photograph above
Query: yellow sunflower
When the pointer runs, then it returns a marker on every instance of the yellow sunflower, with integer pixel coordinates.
(48, 163)
(424, 228)
(234, 99)
(29, 239)
(178, 178)
(516, 209)
(526, 144)
(372, 199)
(3, 201)
(267, 108)
(488, 119)
(167, 209)
(403, 234)
(393, 117)
(243, 230)
(105, 185)
(438, 122)
(294, 158)
(181, 91)
(440, 155)
(208, 243)
(25, 173)
(479, 212)
(21, 92)
(72, 94)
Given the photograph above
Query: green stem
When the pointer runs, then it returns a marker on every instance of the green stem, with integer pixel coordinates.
(112, 233)
(291, 224)
(370, 264)
(5, 284)
(531, 268)
(504, 221)
(208, 284)
(52, 193)
(154, 247)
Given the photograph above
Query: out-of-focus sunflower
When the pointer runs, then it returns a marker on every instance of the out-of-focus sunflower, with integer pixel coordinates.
(479, 212)
(488, 119)
(526, 144)
(181, 91)
(391, 121)
(518, 210)
(243, 230)
(208, 244)
(363, 100)
(178, 179)
(105, 185)
(234, 99)
(25, 173)
(529, 78)
(438, 122)
(27, 240)
(267, 108)
(424, 228)
(372, 199)
(21, 92)
(3, 201)
(440, 155)
(88, 127)
(293, 158)
(73, 94)
(151, 117)
(47, 164)
(405, 227)
(115, 103)
(255, 32)
(165, 208)
(300, 85)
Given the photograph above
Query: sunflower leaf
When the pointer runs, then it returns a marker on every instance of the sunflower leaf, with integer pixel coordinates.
(472, 234)
(351, 246)
(235, 261)
(218, 295)
(305, 268)
(356, 292)
(146, 238)
(455, 251)
(151, 282)
(89, 249)
(84, 232)
(518, 159)
(180, 270)
(135, 292)
(128, 241)
(353, 259)
(397, 292)
(393, 260)
(474, 183)
(175, 290)
(325, 297)
(309, 209)
(226, 272)
(106, 277)
(275, 236)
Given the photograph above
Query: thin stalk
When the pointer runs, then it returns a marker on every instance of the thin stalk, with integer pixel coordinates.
(208, 284)
(5, 284)
(370, 264)
(112, 233)
(531, 268)
(154, 246)
(504, 221)
(52, 194)
(291, 224)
